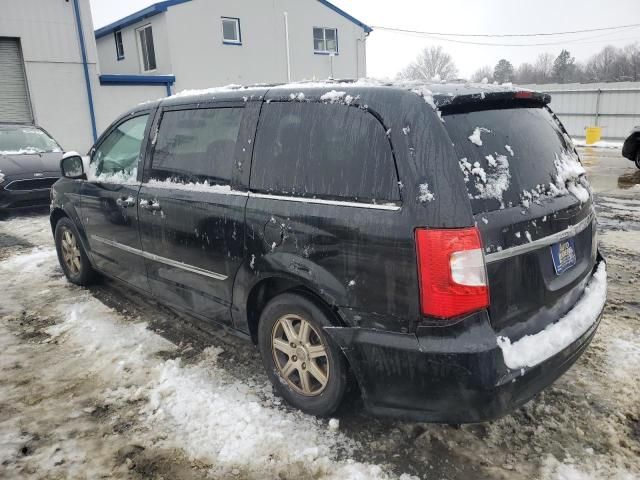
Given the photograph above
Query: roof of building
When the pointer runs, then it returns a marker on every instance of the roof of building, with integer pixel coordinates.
(163, 6)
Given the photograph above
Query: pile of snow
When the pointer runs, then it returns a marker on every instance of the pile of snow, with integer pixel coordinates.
(531, 350)
(125, 177)
(337, 97)
(490, 183)
(582, 142)
(475, 136)
(208, 91)
(570, 177)
(509, 149)
(297, 96)
(28, 151)
(191, 186)
(425, 194)
(1, 176)
(426, 94)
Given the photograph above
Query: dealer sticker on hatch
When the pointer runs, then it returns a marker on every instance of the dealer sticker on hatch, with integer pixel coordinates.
(564, 255)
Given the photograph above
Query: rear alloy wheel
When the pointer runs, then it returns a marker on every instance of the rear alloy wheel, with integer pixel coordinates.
(71, 255)
(300, 355)
(307, 369)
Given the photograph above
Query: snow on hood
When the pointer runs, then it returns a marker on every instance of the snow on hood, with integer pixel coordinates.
(24, 163)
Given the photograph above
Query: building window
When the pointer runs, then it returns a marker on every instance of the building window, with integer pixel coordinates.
(119, 45)
(325, 40)
(231, 31)
(147, 50)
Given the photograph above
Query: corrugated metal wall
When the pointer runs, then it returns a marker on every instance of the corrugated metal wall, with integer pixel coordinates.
(613, 106)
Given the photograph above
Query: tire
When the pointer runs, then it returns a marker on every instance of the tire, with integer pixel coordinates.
(315, 355)
(638, 158)
(71, 255)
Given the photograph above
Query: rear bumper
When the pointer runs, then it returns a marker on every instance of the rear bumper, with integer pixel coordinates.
(453, 374)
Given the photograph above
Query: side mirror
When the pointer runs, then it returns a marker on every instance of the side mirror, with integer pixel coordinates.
(71, 166)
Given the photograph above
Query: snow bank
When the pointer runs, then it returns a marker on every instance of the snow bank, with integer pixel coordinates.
(582, 142)
(531, 350)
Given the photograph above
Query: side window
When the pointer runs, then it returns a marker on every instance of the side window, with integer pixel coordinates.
(196, 145)
(120, 150)
(321, 150)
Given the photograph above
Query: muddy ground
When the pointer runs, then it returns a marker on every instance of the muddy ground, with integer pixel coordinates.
(104, 383)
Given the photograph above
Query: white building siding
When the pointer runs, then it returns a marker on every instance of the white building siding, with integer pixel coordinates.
(131, 64)
(189, 44)
(53, 64)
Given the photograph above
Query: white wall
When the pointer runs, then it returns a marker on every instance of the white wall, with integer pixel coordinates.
(131, 64)
(55, 78)
(576, 104)
(200, 59)
(114, 100)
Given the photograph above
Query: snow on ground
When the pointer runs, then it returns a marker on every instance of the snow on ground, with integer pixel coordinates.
(582, 142)
(226, 425)
(87, 391)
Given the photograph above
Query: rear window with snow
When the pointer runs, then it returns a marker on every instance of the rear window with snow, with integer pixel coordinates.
(323, 150)
(509, 156)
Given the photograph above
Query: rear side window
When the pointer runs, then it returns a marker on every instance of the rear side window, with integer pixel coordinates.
(508, 156)
(196, 145)
(318, 150)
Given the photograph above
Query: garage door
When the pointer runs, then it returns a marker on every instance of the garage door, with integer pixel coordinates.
(14, 96)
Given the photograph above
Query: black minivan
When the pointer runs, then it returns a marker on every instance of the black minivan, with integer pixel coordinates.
(433, 246)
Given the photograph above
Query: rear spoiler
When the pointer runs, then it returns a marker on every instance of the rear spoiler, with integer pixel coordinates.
(479, 98)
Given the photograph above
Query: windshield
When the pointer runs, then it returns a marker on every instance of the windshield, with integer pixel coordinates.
(514, 156)
(21, 140)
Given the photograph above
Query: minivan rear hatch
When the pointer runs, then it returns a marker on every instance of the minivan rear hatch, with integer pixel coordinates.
(531, 203)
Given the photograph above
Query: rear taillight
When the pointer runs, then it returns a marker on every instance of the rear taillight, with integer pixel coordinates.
(451, 272)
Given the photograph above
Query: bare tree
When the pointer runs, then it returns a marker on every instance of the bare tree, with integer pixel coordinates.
(601, 67)
(632, 56)
(482, 73)
(543, 68)
(432, 62)
(525, 73)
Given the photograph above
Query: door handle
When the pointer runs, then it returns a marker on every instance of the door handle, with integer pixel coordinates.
(150, 205)
(125, 202)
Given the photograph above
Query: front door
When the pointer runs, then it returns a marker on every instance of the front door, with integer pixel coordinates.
(191, 215)
(110, 201)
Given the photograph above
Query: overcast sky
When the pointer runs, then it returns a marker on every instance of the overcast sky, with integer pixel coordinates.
(388, 52)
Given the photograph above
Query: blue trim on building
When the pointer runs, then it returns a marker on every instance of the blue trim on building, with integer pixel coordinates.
(154, 9)
(339, 11)
(166, 80)
(85, 67)
(137, 79)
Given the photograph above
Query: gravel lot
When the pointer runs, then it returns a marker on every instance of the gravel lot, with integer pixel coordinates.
(103, 383)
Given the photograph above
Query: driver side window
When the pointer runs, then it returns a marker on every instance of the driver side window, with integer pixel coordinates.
(116, 158)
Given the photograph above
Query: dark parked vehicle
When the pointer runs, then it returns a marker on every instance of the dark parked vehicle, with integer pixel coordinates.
(631, 146)
(29, 165)
(442, 260)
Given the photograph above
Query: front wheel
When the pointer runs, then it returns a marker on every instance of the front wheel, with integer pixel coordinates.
(307, 369)
(72, 257)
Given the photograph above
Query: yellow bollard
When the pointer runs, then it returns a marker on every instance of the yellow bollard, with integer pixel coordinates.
(593, 135)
